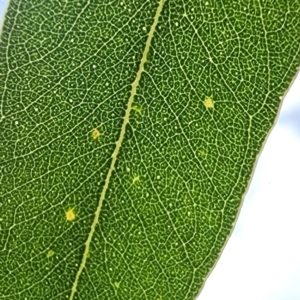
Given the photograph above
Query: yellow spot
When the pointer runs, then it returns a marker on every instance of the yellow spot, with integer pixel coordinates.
(135, 179)
(208, 102)
(50, 253)
(70, 214)
(137, 109)
(202, 153)
(117, 285)
(95, 133)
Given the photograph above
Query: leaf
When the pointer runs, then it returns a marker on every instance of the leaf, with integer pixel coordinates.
(128, 135)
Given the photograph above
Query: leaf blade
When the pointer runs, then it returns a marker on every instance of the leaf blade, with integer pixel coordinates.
(188, 143)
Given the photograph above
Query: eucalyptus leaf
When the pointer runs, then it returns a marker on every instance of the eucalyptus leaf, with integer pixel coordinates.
(129, 131)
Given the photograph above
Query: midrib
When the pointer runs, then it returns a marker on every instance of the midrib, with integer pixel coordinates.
(118, 147)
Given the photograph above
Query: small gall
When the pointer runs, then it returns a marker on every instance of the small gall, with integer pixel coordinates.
(70, 214)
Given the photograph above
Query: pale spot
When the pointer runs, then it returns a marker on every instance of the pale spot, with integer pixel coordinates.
(208, 102)
(117, 284)
(70, 214)
(202, 153)
(135, 179)
(95, 133)
(137, 109)
(50, 253)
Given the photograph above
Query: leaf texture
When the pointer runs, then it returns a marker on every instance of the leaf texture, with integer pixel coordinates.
(129, 131)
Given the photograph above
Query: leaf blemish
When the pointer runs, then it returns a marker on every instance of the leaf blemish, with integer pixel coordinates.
(50, 253)
(117, 284)
(135, 179)
(137, 109)
(95, 133)
(202, 153)
(208, 102)
(70, 214)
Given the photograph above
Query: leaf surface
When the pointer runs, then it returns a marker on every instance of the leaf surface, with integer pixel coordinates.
(128, 135)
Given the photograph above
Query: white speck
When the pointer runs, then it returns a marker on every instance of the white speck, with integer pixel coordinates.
(36, 109)
(144, 28)
(206, 3)
(106, 83)
(94, 66)
(176, 23)
(16, 122)
(158, 177)
(72, 40)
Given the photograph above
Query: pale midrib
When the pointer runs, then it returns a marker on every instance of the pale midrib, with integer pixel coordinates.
(118, 146)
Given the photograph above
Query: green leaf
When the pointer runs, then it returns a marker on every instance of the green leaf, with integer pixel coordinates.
(128, 136)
